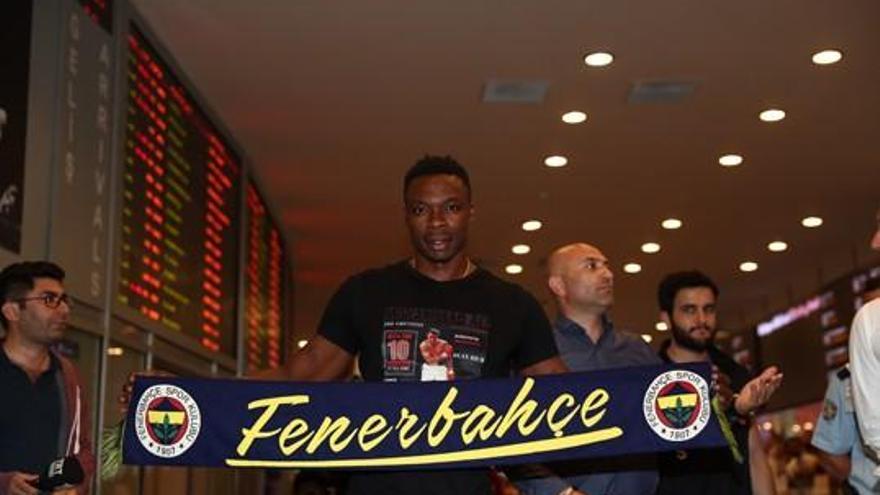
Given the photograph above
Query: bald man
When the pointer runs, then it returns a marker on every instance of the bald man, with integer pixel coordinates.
(581, 281)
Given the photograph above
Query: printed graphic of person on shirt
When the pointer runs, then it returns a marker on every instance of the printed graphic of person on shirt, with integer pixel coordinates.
(437, 354)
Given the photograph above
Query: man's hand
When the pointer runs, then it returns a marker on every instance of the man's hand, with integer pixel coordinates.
(758, 391)
(550, 366)
(125, 394)
(20, 484)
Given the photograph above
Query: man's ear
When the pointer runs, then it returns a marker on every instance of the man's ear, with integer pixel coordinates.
(11, 310)
(664, 317)
(556, 285)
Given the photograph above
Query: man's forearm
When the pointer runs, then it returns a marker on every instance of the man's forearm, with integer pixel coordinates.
(320, 360)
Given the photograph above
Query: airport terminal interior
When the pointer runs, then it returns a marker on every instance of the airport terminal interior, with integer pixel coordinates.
(209, 172)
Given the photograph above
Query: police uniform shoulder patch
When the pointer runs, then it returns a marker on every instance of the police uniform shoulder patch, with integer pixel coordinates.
(829, 410)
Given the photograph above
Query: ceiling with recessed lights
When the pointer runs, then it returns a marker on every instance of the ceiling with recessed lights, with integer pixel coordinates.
(713, 114)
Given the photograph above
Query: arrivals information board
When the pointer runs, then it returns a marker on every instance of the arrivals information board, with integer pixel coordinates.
(180, 206)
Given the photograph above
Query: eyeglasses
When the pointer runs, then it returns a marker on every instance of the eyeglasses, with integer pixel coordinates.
(50, 299)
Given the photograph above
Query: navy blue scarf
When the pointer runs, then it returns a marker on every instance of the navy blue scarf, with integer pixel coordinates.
(468, 423)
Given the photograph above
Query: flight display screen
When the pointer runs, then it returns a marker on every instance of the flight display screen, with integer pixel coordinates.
(818, 328)
(264, 285)
(180, 201)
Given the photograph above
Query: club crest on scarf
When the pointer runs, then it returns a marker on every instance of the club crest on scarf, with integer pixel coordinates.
(167, 420)
(676, 405)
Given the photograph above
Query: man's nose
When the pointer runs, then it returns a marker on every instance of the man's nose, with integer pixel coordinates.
(63, 307)
(436, 216)
(607, 273)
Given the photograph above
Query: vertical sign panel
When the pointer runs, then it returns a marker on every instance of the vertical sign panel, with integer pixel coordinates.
(264, 286)
(80, 219)
(15, 49)
(180, 190)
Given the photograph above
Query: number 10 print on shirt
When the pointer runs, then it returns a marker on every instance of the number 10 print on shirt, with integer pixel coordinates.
(431, 345)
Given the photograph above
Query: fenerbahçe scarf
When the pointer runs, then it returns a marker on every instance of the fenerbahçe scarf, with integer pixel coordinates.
(466, 423)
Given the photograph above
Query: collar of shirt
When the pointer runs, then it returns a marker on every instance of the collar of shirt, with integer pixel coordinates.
(614, 349)
(570, 329)
(716, 356)
(7, 363)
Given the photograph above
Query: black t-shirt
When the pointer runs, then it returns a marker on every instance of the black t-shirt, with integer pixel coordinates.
(30, 418)
(407, 327)
(710, 471)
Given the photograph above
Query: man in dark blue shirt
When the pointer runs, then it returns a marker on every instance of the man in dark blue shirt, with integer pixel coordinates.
(582, 283)
(43, 417)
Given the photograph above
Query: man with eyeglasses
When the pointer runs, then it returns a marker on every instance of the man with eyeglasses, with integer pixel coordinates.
(44, 417)
(581, 281)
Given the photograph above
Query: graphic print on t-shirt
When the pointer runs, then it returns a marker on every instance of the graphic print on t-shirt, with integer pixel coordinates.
(424, 344)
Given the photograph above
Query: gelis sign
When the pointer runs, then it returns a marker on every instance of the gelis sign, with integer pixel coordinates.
(238, 423)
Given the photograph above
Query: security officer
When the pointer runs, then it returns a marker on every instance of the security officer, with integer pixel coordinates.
(838, 439)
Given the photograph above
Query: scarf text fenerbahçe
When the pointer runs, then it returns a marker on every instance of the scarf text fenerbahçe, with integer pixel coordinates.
(468, 423)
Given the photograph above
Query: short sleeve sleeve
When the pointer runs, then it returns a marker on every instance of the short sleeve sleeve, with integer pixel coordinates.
(835, 427)
(537, 343)
(338, 321)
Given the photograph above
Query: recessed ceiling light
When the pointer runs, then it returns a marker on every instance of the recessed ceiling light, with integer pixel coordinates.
(632, 268)
(598, 59)
(730, 160)
(671, 224)
(556, 161)
(827, 57)
(574, 117)
(661, 326)
(115, 351)
(302, 343)
(812, 222)
(772, 115)
(532, 225)
(521, 249)
(513, 269)
(650, 247)
(647, 338)
(748, 266)
(777, 246)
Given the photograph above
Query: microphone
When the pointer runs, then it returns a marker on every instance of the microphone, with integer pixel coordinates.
(61, 473)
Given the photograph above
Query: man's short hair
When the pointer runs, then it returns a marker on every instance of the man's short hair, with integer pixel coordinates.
(17, 279)
(436, 165)
(674, 282)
